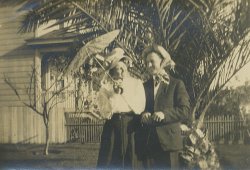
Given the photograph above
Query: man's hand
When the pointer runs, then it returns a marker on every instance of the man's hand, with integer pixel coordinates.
(158, 116)
(145, 117)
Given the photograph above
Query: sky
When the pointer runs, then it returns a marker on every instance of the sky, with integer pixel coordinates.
(241, 77)
(243, 74)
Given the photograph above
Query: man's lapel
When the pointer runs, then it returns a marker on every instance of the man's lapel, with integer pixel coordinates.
(162, 89)
(150, 94)
(151, 87)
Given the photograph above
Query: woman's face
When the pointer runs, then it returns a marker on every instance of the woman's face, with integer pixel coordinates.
(153, 62)
(119, 71)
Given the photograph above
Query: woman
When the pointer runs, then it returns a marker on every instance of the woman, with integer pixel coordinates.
(125, 97)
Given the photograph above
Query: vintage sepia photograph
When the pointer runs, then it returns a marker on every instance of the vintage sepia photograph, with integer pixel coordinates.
(125, 84)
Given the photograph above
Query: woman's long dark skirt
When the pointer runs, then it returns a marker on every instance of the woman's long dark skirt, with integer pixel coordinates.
(117, 148)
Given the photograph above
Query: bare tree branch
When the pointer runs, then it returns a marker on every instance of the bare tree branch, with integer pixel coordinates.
(7, 81)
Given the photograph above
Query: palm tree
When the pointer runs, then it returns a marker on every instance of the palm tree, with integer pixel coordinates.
(207, 39)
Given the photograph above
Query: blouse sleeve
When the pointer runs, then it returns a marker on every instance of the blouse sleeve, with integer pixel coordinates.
(104, 103)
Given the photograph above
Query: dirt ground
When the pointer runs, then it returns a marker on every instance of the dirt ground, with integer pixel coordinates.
(84, 156)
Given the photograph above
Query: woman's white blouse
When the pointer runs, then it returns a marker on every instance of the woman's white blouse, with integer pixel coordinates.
(132, 99)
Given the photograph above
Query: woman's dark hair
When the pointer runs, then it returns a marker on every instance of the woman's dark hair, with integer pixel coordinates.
(112, 71)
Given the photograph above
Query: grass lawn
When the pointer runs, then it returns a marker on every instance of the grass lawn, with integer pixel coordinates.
(76, 156)
(60, 156)
(234, 156)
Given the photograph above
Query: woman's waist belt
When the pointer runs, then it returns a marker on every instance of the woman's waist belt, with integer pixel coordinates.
(123, 114)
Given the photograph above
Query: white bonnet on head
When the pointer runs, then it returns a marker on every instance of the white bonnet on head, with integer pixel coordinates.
(114, 57)
(167, 61)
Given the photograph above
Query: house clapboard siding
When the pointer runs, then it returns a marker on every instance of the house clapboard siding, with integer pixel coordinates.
(22, 125)
(19, 124)
(16, 59)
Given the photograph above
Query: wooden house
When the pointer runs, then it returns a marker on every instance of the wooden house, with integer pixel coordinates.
(19, 54)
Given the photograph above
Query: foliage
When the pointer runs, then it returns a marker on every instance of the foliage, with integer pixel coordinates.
(230, 100)
(226, 103)
(243, 93)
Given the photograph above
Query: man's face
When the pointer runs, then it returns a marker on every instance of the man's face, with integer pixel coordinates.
(119, 71)
(153, 62)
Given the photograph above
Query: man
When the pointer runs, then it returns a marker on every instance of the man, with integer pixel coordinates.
(167, 105)
(122, 100)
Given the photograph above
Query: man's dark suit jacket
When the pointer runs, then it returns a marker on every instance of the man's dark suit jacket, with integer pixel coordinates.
(172, 99)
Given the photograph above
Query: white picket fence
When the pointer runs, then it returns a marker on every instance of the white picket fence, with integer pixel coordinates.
(220, 129)
(225, 128)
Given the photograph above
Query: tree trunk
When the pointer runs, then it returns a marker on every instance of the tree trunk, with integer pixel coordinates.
(78, 95)
(46, 149)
